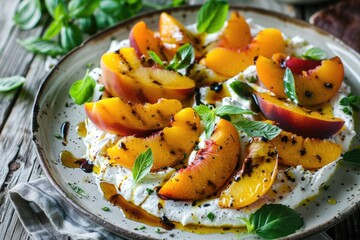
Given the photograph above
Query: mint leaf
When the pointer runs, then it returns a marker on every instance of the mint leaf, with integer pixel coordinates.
(208, 116)
(142, 165)
(257, 129)
(212, 16)
(274, 221)
(156, 58)
(42, 46)
(289, 85)
(184, 57)
(106, 209)
(352, 156)
(314, 54)
(10, 83)
(82, 90)
(28, 14)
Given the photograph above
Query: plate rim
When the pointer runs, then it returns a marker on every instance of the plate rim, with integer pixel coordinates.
(35, 127)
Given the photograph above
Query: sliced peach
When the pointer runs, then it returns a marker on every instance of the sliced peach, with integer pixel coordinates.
(211, 168)
(228, 62)
(173, 35)
(311, 153)
(296, 119)
(124, 118)
(313, 85)
(142, 39)
(255, 178)
(169, 146)
(124, 76)
(237, 33)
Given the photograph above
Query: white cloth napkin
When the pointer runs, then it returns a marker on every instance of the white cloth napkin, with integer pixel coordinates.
(46, 215)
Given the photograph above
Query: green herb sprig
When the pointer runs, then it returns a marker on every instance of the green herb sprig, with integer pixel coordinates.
(274, 221)
(82, 90)
(212, 16)
(251, 128)
(73, 20)
(352, 102)
(184, 57)
(78, 190)
(142, 165)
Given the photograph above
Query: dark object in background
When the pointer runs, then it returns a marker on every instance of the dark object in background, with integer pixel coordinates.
(342, 20)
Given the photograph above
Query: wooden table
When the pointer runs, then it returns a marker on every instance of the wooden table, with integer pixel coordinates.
(17, 155)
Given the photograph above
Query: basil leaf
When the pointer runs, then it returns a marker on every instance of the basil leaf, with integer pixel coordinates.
(315, 54)
(70, 37)
(177, 3)
(352, 156)
(10, 83)
(289, 85)
(184, 57)
(82, 90)
(142, 165)
(78, 190)
(274, 221)
(28, 14)
(242, 89)
(42, 46)
(257, 129)
(347, 111)
(53, 30)
(230, 110)
(352, 101)
(51, 5)
(202, 110)
(208, 116)
(156, 58)
(212, 16)
(82, 8)
(87, 25)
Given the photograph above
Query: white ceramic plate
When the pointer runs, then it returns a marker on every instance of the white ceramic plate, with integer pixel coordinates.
(50, 112)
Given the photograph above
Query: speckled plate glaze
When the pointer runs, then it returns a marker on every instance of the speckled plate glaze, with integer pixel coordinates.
(53, 106)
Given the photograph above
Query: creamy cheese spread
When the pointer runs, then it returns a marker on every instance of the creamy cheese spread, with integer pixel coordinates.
(292, 186)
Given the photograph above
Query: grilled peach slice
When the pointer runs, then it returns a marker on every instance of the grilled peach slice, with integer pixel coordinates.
(142, 39)
(211, 168)
(237, 33)
(296, 119)
(124, 76)
(311, 153)
(169, 146)
(266, 43)
(173, 35)
(255, 178)
(124, 118)
(315, 81)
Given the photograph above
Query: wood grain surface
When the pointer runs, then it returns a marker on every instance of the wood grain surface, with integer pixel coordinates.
(17, 155)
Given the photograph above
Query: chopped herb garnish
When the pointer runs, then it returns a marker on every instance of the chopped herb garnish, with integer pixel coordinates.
(347, 111)
(142, 228)
(149, 191)
(106, 209)
(77, 189)
(58, 136)
(102, 88)
(352, 102)
(211, 216)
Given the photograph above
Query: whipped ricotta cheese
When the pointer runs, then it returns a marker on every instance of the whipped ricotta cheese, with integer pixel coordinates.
(292, 186)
